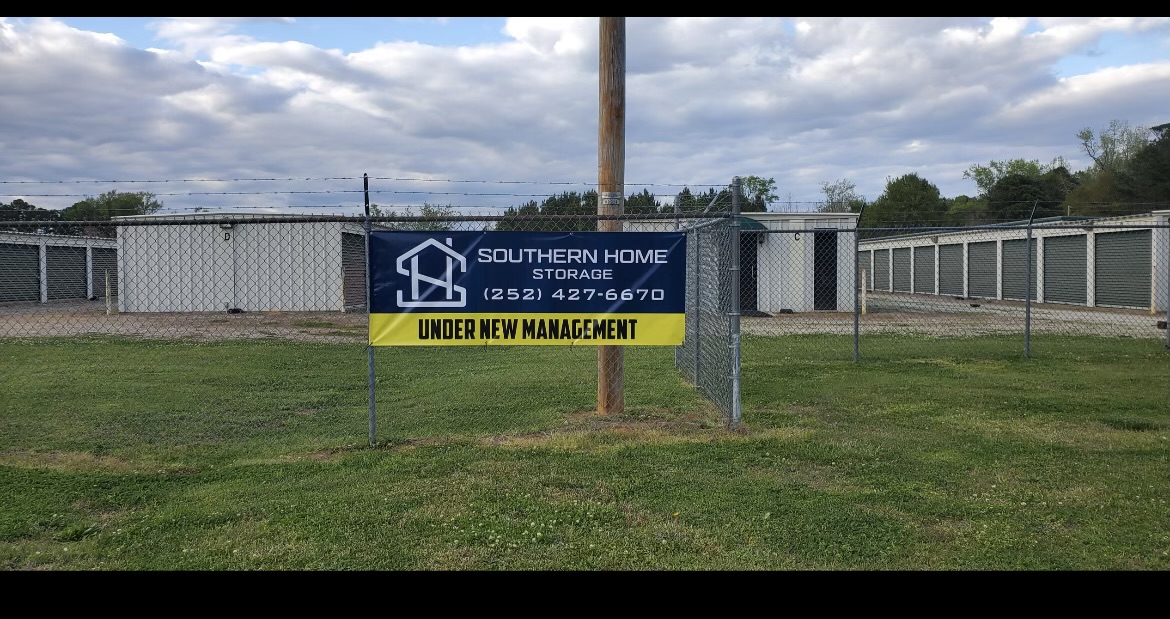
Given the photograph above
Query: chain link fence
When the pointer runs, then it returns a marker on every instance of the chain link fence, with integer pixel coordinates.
(803, 275)
(300, 282)
(1064, 277)
(281, 279)
(705, 357)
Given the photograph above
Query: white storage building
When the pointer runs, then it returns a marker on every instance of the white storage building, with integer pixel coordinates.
(212, 262)
(789, 262)
(1110, 262)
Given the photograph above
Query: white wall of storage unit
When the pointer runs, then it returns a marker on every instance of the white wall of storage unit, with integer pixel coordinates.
(195, 267)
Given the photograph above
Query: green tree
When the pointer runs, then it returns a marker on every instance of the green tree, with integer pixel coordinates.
(1147, 177)
(105, 207)
(577, 209)
(840, 197)
(642, 203)
(514, 217)
(1094, 196)
(968, 211)
(112, 204)
(758, 193)
(1113, 148)
(19, 210)
(986, 176)
(709, 201)
(1013, 197)
(426, 210)
(1108, 187)
(908, 201)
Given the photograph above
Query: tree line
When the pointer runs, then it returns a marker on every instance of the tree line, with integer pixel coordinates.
(102, 207)
(1129, 174)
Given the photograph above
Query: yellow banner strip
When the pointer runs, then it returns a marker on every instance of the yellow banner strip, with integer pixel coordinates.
(474, 329)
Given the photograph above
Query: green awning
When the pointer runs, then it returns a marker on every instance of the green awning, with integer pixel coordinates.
(747, 224)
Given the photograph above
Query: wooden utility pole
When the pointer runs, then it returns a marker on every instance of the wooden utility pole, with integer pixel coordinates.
(611, 173)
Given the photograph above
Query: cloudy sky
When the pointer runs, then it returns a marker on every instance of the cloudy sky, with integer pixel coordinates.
(427, 105)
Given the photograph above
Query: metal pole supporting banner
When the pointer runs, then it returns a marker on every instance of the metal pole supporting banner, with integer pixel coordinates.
(369, 345)
(733, 310)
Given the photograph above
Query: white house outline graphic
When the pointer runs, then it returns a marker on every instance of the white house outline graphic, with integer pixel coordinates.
(447, 284)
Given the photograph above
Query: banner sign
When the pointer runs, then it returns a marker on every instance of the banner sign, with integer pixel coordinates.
(527, 288)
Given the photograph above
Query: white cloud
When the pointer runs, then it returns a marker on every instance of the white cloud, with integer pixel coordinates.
(803, 100)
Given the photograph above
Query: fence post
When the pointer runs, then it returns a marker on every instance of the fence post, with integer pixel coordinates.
(1166, 269)
(369, 344)
(733, 313)
(1028, 285)
(698, 299)
(856, 291)
(864, 287)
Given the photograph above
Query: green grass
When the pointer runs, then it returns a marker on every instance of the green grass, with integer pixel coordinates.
(928, 455)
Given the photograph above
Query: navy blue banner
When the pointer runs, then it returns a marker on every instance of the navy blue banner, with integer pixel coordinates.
(528, 272)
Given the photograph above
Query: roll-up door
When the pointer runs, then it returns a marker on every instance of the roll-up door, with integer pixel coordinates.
(924, 269)
(950, 270)
(65, 272)
(353, 266)
(1014, 286)
(902, 269)
(981, 266)
(864, 264)
(1065, 274)
(105, 260)
(1124, 262)
(20, 272)
(881, 269)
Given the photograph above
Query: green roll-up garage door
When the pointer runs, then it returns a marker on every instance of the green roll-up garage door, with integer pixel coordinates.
(65, 272)
(924, 269)
(1124, 262)
(1065, 274)
(20, 272)
(950, 270)
(105, 259)
(902, 269)
(353, 269)
(981, 266)
(1014, 268)
(881, 269)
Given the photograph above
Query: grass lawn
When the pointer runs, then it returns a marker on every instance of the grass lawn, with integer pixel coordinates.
(930, 454)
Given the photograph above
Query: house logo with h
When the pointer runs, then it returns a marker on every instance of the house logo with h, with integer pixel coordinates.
(450, 295)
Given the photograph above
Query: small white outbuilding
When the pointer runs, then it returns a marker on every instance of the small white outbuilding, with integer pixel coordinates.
(789, 262)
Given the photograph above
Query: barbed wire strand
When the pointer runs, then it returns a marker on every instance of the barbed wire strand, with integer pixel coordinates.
(349, 178)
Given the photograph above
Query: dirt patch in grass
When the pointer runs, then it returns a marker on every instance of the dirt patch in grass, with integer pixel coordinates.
(74, 461)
